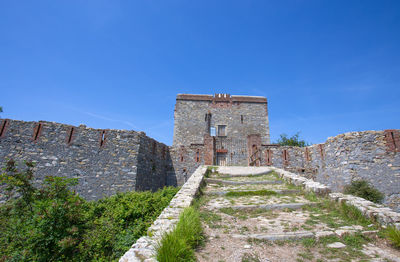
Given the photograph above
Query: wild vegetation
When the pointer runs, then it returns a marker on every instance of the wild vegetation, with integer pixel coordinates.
(363, 189)
(52, 223)
(179, 244)
(294, 140)
(393, 234)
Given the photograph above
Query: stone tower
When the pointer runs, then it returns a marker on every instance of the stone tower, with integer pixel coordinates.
(225, 129)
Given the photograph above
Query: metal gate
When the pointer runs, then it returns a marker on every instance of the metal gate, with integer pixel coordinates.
(231, 151)
(221, 159)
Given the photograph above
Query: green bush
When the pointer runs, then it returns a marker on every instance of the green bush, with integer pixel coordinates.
(116, 222)
(178, 245)
(52, 223)
(362, 188)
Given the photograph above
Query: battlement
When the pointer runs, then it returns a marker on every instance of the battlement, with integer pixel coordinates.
(222, 98)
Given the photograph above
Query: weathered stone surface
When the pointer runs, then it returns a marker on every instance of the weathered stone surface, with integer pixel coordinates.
(336, 245)
(276, 237)
(227, 182)
(273, 206)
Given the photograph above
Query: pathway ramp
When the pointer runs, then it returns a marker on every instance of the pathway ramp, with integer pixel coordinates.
(251, 214)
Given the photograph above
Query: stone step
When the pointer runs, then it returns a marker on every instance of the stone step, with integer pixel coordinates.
(273, 206)
(227, 182)
(299, 235)
(280, 192)
(242, 175)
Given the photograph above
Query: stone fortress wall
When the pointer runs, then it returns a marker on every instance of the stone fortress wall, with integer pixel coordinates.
(104, 161)
(369, 155)
(108, 161)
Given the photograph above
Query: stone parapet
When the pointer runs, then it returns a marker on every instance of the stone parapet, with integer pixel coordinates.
(145, 247)
(368, 155)
(308, 184)
(384, 215)
(380, 213)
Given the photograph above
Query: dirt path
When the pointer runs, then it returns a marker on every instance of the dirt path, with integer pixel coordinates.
(247, 221)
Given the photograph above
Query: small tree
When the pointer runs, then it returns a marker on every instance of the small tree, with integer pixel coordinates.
(19, 182)
(294, 140)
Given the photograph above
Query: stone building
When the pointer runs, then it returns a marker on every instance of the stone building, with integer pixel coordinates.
(225, 129)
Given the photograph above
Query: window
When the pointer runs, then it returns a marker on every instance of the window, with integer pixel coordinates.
(212, 131)
(221, 130)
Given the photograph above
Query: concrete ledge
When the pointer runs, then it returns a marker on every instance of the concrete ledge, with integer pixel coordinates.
(304, 234)
(273, 206)
(145, 247)
(243, 170)
(279, 192)
(245, 175)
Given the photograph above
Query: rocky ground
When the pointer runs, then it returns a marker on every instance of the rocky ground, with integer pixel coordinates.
(250, 216)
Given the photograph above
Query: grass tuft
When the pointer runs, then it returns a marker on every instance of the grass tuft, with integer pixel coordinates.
(251, 193)
(250, 258)
(353, 214)
(393, 234)
(178, 245)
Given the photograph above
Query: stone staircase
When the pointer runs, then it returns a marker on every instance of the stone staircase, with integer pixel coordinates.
(251, 214)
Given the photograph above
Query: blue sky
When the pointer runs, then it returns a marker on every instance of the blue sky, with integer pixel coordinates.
(326, 67)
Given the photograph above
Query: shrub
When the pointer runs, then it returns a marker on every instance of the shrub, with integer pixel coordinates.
(362, 188)
(116, 222)
(52, 223)
(178, 245)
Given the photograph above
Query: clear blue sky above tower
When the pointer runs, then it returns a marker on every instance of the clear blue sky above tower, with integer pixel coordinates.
(326, 67)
